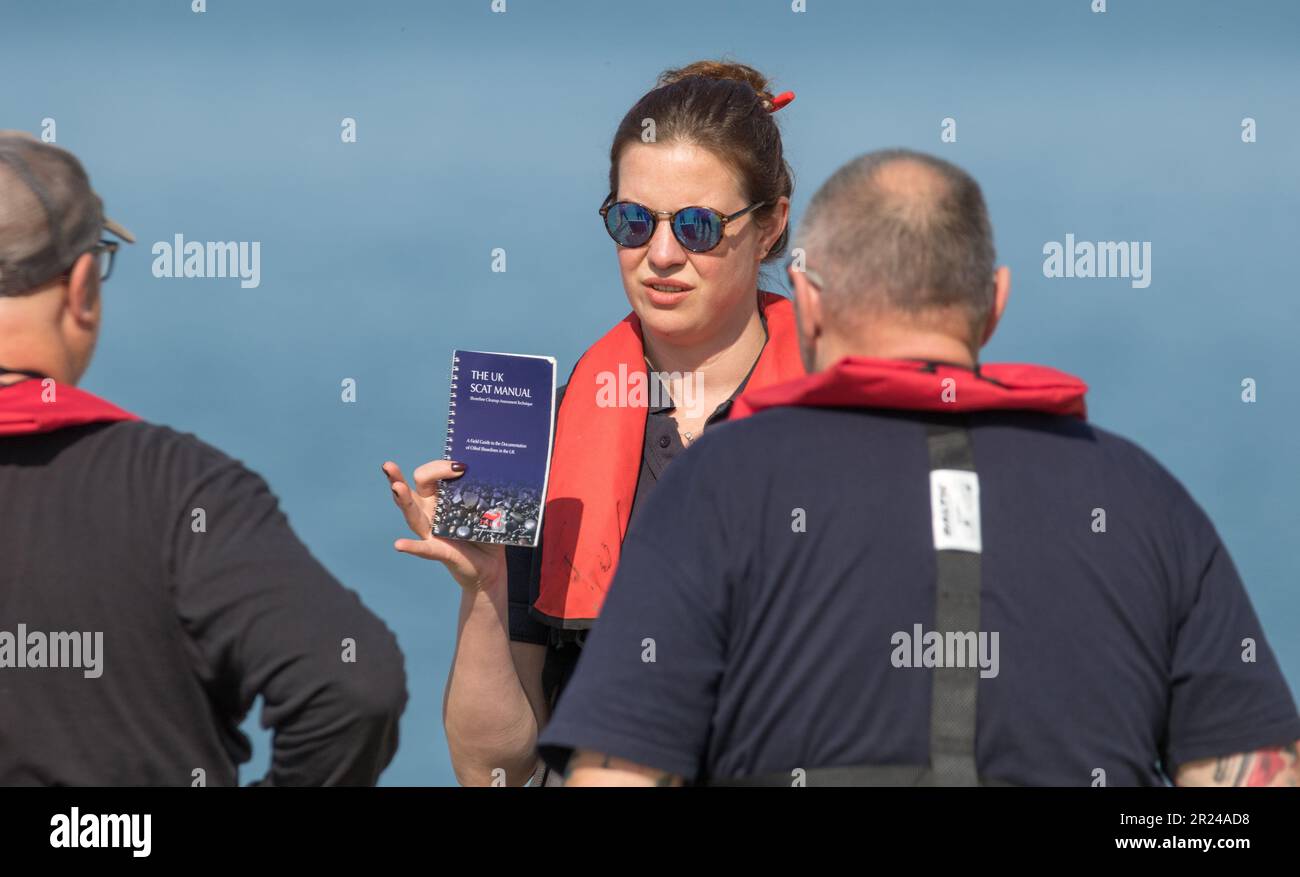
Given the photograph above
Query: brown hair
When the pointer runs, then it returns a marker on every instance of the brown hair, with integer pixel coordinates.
(723, 107)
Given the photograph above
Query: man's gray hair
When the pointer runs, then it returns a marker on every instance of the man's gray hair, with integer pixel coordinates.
(902, 231)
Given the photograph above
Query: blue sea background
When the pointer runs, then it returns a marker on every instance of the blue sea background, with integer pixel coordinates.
(478, 130)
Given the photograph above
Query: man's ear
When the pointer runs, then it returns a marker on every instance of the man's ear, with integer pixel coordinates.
(83, 292)
(807, 305)
(1001, 292)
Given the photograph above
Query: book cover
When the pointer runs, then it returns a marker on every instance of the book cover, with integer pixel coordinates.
(500, 424)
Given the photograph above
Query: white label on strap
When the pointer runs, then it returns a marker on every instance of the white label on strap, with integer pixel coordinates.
(955, 510)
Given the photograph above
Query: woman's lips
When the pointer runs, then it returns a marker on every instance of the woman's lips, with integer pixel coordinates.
(667, 294)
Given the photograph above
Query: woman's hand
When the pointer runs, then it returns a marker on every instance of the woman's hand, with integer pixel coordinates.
(474, 566)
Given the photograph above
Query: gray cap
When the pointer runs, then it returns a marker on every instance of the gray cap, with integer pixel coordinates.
(48, 213)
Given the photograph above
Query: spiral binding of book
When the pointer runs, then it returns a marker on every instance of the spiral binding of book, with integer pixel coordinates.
(451, 434)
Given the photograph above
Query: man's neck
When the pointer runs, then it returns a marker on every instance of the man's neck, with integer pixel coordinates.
(889, 343)
(21, 364)
(14, 376)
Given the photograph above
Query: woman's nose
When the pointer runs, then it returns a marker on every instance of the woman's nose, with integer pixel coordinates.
(665, 251)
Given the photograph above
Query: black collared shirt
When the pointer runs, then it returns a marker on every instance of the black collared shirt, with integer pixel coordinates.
(663, 440)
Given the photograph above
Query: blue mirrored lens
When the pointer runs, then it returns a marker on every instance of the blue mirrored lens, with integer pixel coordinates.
(631, 225)
(697, 228)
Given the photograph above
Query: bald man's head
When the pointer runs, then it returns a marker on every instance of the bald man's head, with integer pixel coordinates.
(903, 235)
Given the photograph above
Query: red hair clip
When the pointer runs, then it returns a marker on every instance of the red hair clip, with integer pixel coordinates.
(781, 100)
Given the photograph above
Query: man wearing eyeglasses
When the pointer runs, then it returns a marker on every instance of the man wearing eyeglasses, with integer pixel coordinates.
(150, 587)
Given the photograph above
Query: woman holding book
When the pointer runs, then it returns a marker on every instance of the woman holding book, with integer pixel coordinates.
(699, 201)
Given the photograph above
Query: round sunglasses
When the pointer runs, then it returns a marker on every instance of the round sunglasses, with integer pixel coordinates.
(698, 229)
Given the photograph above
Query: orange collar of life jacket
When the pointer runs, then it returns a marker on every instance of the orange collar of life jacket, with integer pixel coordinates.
(917, 385)
(38, 406)
(597, 460)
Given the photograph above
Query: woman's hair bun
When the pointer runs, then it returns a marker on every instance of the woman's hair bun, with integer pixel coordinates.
(723, 70)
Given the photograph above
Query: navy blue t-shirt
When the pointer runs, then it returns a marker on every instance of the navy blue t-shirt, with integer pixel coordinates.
(736, 643)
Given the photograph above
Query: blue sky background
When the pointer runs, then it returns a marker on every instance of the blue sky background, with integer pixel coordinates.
(479, 130)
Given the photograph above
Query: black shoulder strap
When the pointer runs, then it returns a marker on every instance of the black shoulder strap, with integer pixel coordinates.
(957, 609)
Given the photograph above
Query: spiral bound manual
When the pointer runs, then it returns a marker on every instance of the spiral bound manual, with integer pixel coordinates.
(501, 426)
(449, 443)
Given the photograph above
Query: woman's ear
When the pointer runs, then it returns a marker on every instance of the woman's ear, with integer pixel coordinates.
(774, 226)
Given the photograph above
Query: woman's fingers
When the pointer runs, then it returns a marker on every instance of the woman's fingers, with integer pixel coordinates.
(429, 549)
(393, 472)
(418, 518)
(441, 550)
(428, 475)
(471, 565)
(416, 511)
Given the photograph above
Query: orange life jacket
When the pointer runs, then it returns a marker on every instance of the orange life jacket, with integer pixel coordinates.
(597, 460)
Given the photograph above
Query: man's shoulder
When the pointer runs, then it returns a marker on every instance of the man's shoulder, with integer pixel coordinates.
(1082, 456)
(776, 421)
(146, 452)
(1123, 449)
(1124, 459)
(1162, 488)
(156, 439)
(775, 430)
(744, 448)
(803, 429)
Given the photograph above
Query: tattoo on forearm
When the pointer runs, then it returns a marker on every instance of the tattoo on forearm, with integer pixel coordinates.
(1258, 768)
(1272, 762)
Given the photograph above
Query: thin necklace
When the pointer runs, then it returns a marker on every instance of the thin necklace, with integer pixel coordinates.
(687, 437)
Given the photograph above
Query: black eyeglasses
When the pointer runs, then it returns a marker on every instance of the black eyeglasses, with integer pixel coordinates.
(104, 251)
(698, 229)
(813, 276)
